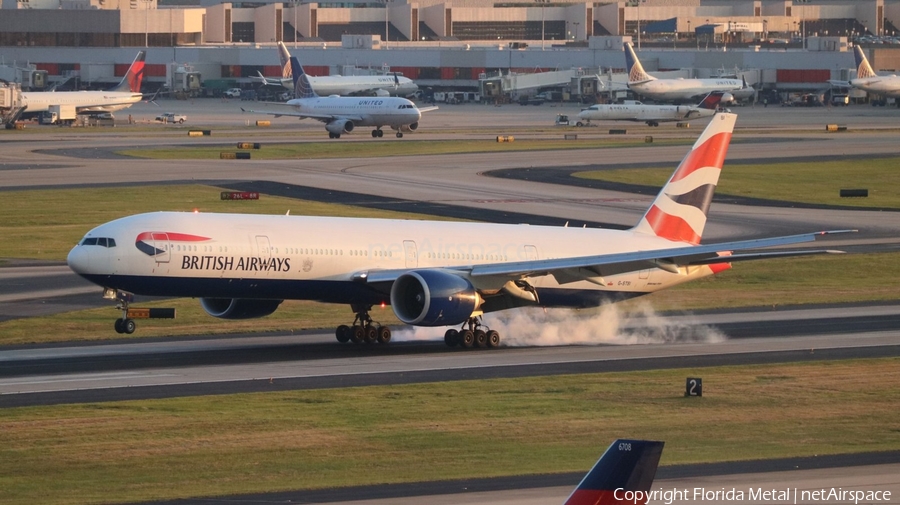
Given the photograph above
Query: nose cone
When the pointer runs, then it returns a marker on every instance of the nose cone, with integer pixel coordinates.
(78, 260)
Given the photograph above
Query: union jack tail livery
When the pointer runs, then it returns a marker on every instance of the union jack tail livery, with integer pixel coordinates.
(133, 77)
(285, 56)
(627, 466)
(302, 87)
(679, 211)
(636, 73)
(863, 69)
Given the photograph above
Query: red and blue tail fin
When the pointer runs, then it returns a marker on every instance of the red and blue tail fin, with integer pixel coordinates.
(712, 100)
(679, 211)
(133, 77)
(627, 465)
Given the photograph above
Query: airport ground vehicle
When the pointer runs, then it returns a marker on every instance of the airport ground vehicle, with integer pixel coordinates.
(171, 117)
(232, 93)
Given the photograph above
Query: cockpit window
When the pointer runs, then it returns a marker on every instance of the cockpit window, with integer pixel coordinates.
(101, 241)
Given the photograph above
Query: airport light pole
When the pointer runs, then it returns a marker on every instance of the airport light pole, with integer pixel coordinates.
(543, 3)
(147, 23)
(576, 23)
(386, 2)
(295, 4)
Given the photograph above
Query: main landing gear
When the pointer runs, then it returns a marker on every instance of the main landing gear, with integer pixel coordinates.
(377, 133)
(474, 336)
(364, 329)
(334, 135)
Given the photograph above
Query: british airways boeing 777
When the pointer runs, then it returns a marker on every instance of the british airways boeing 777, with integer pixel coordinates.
(430, 273)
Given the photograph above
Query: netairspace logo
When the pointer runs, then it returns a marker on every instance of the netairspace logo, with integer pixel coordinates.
(752, 495)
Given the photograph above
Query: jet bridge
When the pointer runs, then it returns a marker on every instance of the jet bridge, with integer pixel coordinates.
(11, 106)
(512, 83)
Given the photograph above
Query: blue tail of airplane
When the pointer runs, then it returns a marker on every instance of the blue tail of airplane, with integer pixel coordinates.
(133, 77)
(627, 465)
(302, 88)
(863, 69)
(636, 73)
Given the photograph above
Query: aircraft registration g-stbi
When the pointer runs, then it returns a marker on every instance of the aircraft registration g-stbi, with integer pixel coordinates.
(341, 114)
(344, 85)
(646, 85)
(430, 273)
(125, 94)
(653, 114)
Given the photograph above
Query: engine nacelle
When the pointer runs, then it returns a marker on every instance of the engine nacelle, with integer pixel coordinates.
(433, 298)
(407, 127)
(339, 126)
(238, 308)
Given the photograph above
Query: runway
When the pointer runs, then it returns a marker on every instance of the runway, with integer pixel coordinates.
(76, 373)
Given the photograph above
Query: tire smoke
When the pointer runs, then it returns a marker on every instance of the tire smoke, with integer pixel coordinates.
(606, 325)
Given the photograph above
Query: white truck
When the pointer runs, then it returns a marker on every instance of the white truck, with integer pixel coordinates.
(59, 114)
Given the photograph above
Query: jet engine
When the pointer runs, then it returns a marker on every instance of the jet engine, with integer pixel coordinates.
(408, 127)
(238, 308)
(339, 126)
(433, 298)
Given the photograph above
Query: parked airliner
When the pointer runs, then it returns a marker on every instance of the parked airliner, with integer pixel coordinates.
(342, 114)
(430, 273)
(344, 85)
(652, 114)
(624, 474)
(867, 80)
(125, 94)
(646, 85)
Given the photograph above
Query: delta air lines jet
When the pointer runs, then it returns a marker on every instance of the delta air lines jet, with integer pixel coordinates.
(653, 114)
(431, 273)
(646, 85)
(344, 85)
(125, 94)
(341, 114)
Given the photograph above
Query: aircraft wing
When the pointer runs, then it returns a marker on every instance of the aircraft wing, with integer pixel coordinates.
(666, 259)
(325, 118)
(428, 109)
(272, 81)
(840, 84)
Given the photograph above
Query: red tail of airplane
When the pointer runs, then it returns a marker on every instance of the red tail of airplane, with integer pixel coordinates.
(133, 77)
(627, 465)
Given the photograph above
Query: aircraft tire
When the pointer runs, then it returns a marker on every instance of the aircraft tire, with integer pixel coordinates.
(384, 334)
(374, 134)
(451, 337)
(467, 339)
(380, 134)
(342, 333)
(493, 339)
(480, 338)
(128, 326)
(399, 135)
(118, 326)
(371, 334)
(357, 334)
(579, 124)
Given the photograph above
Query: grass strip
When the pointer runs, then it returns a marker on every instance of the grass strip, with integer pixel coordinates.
(333, 149)
(817, 182)
(220, 445)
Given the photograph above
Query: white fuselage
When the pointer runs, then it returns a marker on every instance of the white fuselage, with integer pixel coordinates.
(84, 101)
(886, 85)
(641, 112)
(683, 89)
(325, 258)
(363, 111)
(345, 85)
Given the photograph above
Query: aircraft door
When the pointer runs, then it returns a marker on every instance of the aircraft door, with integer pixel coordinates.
(531, 252)
(263, 252)
(411, 254)
(160, 242)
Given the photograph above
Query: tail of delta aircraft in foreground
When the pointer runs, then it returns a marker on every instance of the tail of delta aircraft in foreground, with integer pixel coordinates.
(627, 466)
(134, 76)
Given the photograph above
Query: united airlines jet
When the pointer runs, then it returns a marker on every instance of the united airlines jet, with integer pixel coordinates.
(430, 273)
(341, 114)
(344, 85)
(125, 94)
(646, 85)
(867, 80)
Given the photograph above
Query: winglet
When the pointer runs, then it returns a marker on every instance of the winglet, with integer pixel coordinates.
(302, 87)
(133, 77)
(636, 73)
(627, 465)
(680, 209)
